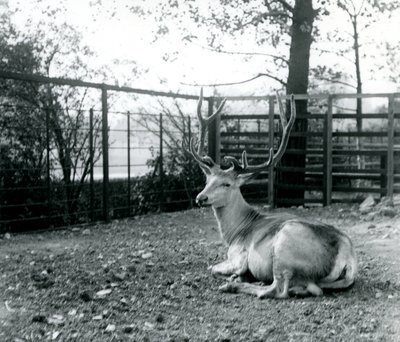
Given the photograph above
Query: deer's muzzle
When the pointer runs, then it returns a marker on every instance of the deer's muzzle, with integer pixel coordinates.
(201, 199)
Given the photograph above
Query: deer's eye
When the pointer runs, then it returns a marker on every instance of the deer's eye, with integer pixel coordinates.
(226, 185)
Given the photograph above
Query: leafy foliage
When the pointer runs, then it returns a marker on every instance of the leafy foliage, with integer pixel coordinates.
(43, 127)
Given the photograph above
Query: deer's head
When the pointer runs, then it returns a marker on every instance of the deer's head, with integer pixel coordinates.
(223, 185)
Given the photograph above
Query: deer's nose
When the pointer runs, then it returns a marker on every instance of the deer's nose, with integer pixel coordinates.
(201, 199)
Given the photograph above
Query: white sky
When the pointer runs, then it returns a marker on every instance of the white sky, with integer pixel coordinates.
(128, 37)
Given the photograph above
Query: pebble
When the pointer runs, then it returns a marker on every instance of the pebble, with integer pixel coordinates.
(110, 328)
(120, 276)
(386, 211)
(127, 329)
(103, 293)
(147, 255)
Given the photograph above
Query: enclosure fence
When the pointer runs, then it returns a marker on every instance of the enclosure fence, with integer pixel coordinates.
(340, 160)
(75, 152)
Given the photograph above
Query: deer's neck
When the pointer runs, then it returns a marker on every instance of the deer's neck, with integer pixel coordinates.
(235, 219)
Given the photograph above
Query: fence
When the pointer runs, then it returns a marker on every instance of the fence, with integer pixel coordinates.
(80, 152)
(341, 162)
(100, 157)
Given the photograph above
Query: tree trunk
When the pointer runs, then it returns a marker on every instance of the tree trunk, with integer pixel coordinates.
(360, 159)
(297, 83)
(358, 73)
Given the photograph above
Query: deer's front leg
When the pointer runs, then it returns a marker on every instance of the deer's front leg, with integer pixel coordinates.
(236, 264)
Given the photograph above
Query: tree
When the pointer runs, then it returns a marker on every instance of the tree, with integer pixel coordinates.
(175, 126)
(361, 16)
(22, 144)
(275, 23)
(41, 108)
(392, 58)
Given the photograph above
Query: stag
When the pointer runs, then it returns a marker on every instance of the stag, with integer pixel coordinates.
(271, 255)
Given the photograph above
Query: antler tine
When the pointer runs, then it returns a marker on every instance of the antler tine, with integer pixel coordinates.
(193, 152)
(282, 114)
(245, 163)
(235, 164)
(272, 159)
(204, 122)
(287, 127)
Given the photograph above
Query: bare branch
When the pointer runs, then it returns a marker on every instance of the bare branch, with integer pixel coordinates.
(259, 18)
(242, 53)
(286, 5)
(239, 82)
(336, 81)
(337, 53)
(361, 8)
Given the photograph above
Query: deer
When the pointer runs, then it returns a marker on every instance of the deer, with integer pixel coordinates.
(270, 255)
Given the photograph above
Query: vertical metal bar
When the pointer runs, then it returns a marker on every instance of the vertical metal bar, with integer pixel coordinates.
(190, 160)
(48, 180)
(327, 182)
(91, 161)
(238, 136)
(189, 139)
(383, 184)
(128, 130)
(217, 141)
(189, 131)
(2, 224)
(271, 175)
(104, 107)
(390, 152)
(161, 165)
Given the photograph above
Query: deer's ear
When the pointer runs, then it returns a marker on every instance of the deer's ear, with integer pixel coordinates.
(244, 178)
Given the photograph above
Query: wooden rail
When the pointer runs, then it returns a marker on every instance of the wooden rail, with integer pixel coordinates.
(331, 163)
(330, 152)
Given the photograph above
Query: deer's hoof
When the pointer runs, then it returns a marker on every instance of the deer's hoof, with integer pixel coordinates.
(234, 277)
(228, 288)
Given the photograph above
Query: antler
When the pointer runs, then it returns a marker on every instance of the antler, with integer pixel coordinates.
(203, 124)
(273, 159)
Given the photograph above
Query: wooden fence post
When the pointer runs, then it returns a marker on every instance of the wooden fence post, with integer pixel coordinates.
(213, 133)
(91, 157)
(383, 167)
(161, 165)
(104, 121)
(128, 132)
(271, 174)
(190, 159)
(390, 152)
(327, 180)
(48, 180)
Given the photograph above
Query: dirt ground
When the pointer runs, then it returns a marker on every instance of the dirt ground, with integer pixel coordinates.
(146, 279)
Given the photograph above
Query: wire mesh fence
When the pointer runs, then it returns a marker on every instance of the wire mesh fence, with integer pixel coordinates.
(73, 156)
(74, 152)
